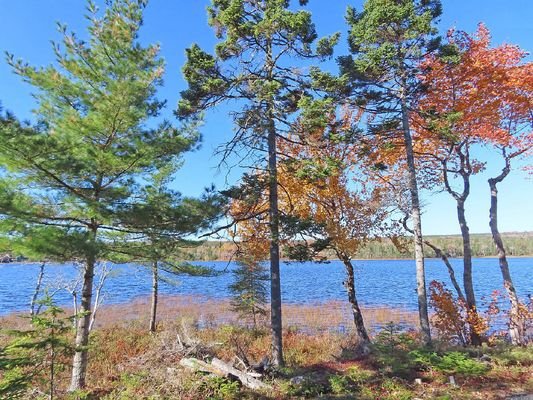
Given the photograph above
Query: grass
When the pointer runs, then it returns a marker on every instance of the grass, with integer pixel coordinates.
(126, 362)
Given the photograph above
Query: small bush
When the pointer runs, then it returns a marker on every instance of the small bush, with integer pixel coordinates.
(391, 350)
(339, 384)
(216, 388)
(450, 363)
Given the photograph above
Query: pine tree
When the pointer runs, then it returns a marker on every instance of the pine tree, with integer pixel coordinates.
(388, 39)
(161, 222)
(92, 148)
(255, 68)
(249, 289)
(37, 353)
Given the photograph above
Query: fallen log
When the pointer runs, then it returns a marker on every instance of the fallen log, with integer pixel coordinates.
(220, 368)
(245, 378)
(200, 366)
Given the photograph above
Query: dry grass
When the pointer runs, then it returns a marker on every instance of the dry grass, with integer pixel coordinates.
(126, 362)
(333, 316)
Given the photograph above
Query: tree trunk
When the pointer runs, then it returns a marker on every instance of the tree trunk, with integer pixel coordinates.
(468, 281)
(442, 255)
(352, 298)
(153, 309)
(37, 290)
(451, 272)
(515, 323)
(275, 279)
(79, 363)
(417, 227)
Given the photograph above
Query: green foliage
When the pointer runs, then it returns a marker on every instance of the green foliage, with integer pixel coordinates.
(254, 63)
(308, 388)
(339, 384)
(92, 147)
(391, 348)
(249, 290)
(506, 355)
(450, 363)
(34, 356)
(392, 389)
(400, 354)
(217, 388)
(387, 40)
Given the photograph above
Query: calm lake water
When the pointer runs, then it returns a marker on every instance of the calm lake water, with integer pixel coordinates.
(379, 282)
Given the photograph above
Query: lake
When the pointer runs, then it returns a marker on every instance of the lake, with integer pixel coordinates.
(379, 282)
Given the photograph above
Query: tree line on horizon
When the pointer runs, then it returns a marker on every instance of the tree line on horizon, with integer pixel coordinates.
(338, 159)
(517, 245)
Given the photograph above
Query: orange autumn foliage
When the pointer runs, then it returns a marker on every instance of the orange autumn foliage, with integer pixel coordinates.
(452, 319)
(482, 95)
(320, 180)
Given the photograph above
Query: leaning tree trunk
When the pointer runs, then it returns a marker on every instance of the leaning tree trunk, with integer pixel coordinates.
(37, 291)
(81, 354)
(417, 227)
(451, 272)
(153, 308)
(352, 298)
(515, 321)
(468, 281)
(442, 255)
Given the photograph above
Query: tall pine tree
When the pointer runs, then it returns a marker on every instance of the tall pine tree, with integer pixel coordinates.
(93, 145)
(255, 67)
(388, 39)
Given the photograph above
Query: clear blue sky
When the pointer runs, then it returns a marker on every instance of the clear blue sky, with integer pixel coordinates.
(28, 26)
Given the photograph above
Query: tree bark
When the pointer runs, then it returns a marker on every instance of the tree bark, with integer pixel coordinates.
(352, 298)
(442, 255)
(468, 281)
(275, 279)
(153, 309)
(37, 290)
(451, 272)
(79, 363)
(417, 227)
(516, 328)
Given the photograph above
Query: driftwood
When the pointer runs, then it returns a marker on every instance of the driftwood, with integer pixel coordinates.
(200, 366)
(246, 379)
(220, 368)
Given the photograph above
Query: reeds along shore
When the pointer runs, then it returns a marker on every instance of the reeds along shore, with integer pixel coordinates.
(331, 316)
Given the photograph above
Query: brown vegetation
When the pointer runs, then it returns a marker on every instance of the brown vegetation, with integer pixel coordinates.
(127, 362)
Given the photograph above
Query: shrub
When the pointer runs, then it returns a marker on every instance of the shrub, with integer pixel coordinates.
(36, 355)
(453, 320)
(450, 363)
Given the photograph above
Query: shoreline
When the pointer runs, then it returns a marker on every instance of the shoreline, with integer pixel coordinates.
(26, 262)
(332, 315)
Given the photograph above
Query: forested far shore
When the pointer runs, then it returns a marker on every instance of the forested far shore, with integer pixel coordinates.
(518, 244)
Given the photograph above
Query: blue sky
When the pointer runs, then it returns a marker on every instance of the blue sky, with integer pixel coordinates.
(28, 26)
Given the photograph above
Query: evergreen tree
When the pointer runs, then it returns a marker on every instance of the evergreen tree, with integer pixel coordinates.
(388, 39)
(249, 289)
(92, 148)
(161, 222)
(255, 68)
(37, 353)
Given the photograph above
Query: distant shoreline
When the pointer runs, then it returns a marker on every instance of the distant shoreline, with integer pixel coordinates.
(289, 261)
